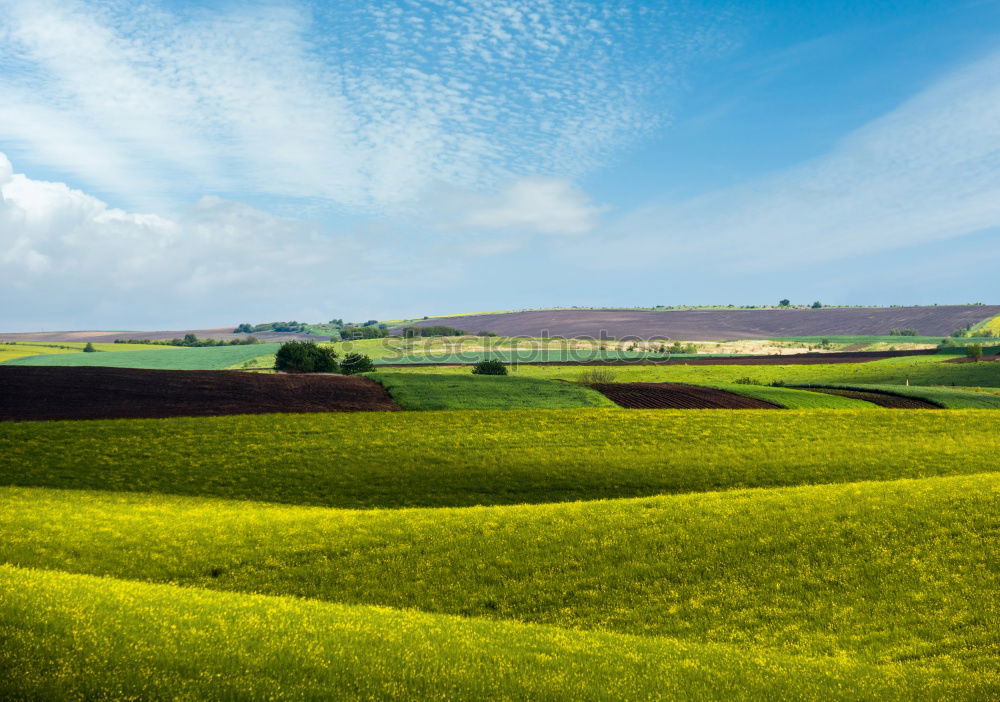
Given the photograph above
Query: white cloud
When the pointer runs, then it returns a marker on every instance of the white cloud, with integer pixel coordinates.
(927, 171)
(66, 255)
(363, 105)
(543, 205)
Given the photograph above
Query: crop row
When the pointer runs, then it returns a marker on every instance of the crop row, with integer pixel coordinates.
(493, 457)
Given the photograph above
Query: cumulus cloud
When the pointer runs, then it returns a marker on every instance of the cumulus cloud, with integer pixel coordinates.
(927, 171)
(66, 255)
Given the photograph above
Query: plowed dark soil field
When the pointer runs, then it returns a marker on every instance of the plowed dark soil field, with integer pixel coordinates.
(707, 325)
(52, 392)
(882, 399)
(676, 396)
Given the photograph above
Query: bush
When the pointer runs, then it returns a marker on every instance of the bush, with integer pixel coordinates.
(597, 375)
(747, 381)
(355, 363)
(490, 367)
(903, 332)
(817, 305)
(89, 348)
(974, 351)
(305, 357)
(411, 332)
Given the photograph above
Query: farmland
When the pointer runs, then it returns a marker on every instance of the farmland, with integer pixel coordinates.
(715, 324)
(166, 358)
(454, 459)
(197, 533)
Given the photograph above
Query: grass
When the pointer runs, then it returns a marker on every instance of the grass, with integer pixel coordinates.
(948, 398)
(10, 351)
(919, 370)
(416, 391)
(793, 398)
(198, 358)
(882, 572)
(237, 646)
(438, 459)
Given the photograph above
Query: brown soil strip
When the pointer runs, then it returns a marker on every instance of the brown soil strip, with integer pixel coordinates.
(51, 392)
(676, 396)
(882, 399)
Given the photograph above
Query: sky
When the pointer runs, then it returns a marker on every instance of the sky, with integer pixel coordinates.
(172, 164)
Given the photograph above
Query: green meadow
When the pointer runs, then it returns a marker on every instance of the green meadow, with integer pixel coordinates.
(160, 357)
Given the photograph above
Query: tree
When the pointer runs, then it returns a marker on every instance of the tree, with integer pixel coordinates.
(355, 363)
(243, 329)
(305, 357)
(974, 351)
(490, 367)
(89, 348)
(190, 340)
(785, 303)
(817, 305)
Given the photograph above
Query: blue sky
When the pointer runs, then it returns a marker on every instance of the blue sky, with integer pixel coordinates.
(183, 164)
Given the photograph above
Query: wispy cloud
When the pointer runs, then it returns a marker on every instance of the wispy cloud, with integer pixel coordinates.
(927, 171)
(362, 105)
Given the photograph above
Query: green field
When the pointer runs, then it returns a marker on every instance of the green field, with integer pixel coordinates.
(10, 351)
(918, 370)
(418, 391)
(532, 542)
(160, 357)
(864, 573)
(793, 398)
(439, 459)
(948, 398)
(259, 647)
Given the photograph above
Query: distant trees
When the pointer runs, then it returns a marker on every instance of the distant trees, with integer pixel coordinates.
(784, 303)
(89, 348)
(903, 332)
(305, 357)
(974, 351)
(817, 305)
(363, 332)
(192, 340)
(411, 332)
(243, 329)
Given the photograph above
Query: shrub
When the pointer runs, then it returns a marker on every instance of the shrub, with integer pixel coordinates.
(305, 357)
(747, 381)
(903, 332)
(597, 375)
(974, 351)
(784, 303)
(490, 367)
(817, 305)
(355, 363)
(89, 348)
(411, 332)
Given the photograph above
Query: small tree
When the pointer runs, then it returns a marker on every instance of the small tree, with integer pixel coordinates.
(305, 357)
(89, 348)
(974, 351)
(817, 305)
(784, 303)
(490, 367)
(355, 363)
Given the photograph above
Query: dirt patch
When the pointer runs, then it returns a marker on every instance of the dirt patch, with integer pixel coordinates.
(709, 325)
(52, 392)
(882, 399)
(676, 396)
